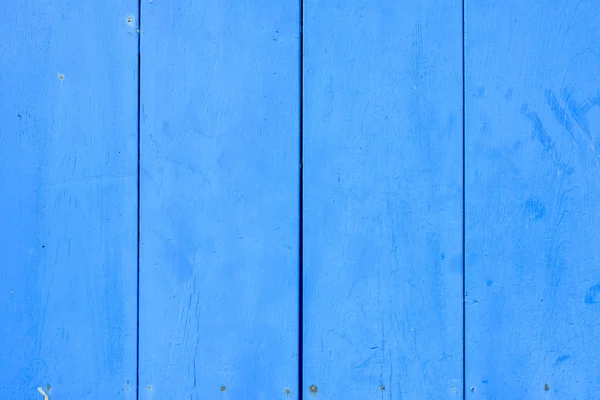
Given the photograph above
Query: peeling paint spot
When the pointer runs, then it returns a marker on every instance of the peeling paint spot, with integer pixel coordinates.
(43, 393)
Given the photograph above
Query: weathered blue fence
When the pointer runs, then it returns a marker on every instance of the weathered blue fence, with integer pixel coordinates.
(285, 199)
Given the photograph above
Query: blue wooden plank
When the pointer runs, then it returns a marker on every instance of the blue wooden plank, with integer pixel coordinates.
(532, 199)
(383, 199)
(68, 162)
(219, 200)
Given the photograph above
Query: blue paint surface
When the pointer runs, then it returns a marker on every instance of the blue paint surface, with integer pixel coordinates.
(382, 200)
(68, 199)
(532, 199)
(219, 200)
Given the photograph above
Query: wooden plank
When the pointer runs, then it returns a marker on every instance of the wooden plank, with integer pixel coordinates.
(68, 184)
(383, 199)
(219, 200)
(532, 199)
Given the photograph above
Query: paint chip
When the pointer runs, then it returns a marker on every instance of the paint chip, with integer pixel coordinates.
(61, 76)
(43, 393)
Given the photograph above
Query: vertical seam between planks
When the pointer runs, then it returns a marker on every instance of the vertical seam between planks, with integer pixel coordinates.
(139, 125)
(464, 275)
(301, 214)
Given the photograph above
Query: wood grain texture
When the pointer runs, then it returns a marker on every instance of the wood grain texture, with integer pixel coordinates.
(383, 199)
(532, 199)
(219, 200)
(68, 162)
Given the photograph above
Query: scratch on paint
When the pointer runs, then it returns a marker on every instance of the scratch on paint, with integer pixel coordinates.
(575, 115)
(43, 393)
(544, 138)
(561, 116)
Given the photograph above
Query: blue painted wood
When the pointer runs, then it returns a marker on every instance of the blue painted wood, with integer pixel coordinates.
(532, 199)
(68, 162)
(383, 199)
(219, 200)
